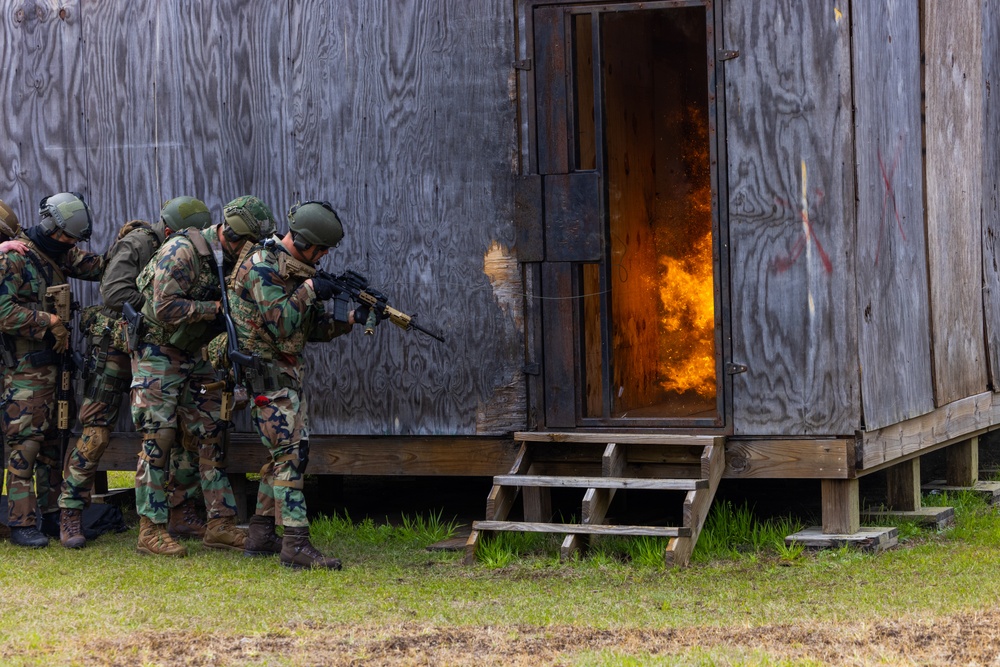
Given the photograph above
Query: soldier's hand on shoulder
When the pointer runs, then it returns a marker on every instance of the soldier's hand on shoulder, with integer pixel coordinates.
(60, 333)
(13, 246)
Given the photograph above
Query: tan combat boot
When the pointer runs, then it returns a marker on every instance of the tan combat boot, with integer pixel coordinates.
(185, 522)
(156, 541)
(261, 538)
(222, 533)
(71, 529)
(298, 552)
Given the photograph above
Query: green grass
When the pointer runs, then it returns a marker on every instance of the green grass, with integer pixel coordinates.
(392, 586)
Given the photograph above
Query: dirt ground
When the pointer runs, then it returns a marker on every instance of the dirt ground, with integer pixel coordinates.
(965, 639)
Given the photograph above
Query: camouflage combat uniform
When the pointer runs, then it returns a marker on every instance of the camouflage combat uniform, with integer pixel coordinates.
(169, 373)
(276, 313)
(28, 417)
(108, 369)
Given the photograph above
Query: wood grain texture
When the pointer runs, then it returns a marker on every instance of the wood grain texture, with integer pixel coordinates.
(892, 282)
(402, 119)
(42, 83)
(953, 137)
(991, 184)
(791, 219)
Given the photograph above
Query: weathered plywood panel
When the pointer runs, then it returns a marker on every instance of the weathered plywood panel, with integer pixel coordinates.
(791, 194)
(219, 99)
(119, 119)
(991, 184)
(953, 131)
(403, 119)
(41, 82)
(892, 285)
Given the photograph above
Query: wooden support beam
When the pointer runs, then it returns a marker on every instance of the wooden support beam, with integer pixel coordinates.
(962, 463)
(596, 501)
(696, 507)
(841, 511)
(903, 486)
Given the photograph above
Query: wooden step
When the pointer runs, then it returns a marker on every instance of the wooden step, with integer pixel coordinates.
(583, 529)
(598, 437)
(601, 482)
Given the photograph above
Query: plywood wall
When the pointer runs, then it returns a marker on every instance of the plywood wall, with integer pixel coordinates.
(953, 131)
(991, 184)
(892, 283)
(791, 217)
(400, 114)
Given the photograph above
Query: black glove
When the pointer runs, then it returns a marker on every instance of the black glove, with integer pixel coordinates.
(361, 314)
(324, 288)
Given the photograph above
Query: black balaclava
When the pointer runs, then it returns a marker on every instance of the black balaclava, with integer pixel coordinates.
(48, 244)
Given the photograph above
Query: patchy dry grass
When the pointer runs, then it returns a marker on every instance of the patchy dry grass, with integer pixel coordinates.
(931, 601)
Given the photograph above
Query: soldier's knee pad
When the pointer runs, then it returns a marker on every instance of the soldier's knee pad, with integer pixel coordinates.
(21, 462)
(212, 451)
(93, 441)
(189, 442)
(156, 447)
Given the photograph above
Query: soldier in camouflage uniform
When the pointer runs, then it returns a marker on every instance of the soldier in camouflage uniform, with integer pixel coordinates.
(182, 314)
(108, 369)
(37, 338)
(276, 303)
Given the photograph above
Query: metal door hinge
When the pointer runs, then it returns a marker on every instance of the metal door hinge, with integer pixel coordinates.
(735, 369)
(532, 368)
(523, 64)
(727, 54)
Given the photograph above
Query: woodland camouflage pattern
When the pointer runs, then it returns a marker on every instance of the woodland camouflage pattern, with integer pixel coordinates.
(275, 313)
(29, 393)
(181, 291)
(108, 368)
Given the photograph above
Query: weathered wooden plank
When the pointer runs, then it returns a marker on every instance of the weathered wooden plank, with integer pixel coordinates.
(953, 131)
(949, 423)
(892, 283)
(42, 82)
(696, 507)
(551, 481)
(791, 216)
(789, 459)
(620, 437)
(402, 117)
(903, 486)
(991, 184)
(962, 463)
(841, 506)
(558, 346)
(359, 455)
(577, 528)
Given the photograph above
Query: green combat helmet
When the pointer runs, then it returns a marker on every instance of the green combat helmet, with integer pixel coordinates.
(183, 212)
(9, 224)
(316, 223)
(66, 212)
(248, 216)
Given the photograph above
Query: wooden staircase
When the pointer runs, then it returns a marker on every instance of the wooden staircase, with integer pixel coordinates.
(601, 464)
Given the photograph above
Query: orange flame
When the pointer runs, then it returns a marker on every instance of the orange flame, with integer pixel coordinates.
(688, 355)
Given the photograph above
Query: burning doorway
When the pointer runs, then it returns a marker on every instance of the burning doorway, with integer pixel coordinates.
(631, 221)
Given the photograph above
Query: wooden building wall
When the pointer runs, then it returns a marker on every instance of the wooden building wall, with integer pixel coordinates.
(953, 131)
(401, 114)
(791, 217)
(991, 185)
(892, 283)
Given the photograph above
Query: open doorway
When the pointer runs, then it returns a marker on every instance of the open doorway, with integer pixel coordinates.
(648, 313)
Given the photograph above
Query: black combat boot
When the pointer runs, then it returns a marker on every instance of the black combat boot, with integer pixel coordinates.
(27, 536)
(261, 538)
(298, 552)
(50, 524)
